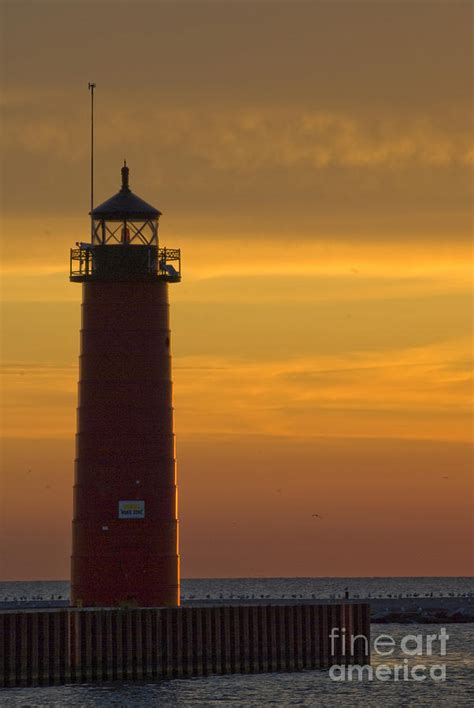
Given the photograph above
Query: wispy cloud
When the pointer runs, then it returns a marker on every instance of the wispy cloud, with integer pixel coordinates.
(414, 393)
(423, 392)
(245, 138)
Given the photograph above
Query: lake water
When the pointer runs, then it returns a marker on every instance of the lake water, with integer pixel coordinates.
(217, 588)
(307, 688)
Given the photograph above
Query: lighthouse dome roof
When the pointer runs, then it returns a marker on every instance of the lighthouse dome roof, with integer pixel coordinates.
(125, 204)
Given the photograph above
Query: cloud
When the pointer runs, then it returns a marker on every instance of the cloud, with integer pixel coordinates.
(253, 167)
(417, 392)
(412, 392)
(246, 138)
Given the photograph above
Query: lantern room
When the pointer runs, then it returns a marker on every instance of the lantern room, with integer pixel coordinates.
(125, 218)
(124, 243)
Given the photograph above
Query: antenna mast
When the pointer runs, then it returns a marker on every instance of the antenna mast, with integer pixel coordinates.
(91, 90)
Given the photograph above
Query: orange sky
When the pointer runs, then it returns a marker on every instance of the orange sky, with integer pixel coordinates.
(313, 161)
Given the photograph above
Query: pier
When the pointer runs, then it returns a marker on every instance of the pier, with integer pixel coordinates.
(52, 647)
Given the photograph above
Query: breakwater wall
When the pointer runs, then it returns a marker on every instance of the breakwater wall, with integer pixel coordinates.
(53, 647)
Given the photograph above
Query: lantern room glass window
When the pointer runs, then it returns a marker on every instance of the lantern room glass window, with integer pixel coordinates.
(125, 231)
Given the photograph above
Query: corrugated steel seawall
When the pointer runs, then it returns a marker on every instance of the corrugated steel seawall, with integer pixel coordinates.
(81, 646)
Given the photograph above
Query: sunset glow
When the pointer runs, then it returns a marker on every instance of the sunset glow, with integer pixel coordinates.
(322, 333)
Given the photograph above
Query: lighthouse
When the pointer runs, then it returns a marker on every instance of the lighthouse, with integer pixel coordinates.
(125, 523)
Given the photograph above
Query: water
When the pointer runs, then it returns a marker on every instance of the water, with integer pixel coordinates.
(217, 588)
(307, 688)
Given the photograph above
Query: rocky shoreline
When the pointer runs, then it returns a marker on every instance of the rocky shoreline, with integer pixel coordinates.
(422, 611)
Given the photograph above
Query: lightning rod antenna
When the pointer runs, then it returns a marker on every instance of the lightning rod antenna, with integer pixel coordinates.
(91, 90)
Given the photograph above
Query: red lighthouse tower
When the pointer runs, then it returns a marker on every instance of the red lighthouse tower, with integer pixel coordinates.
(125, 528)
